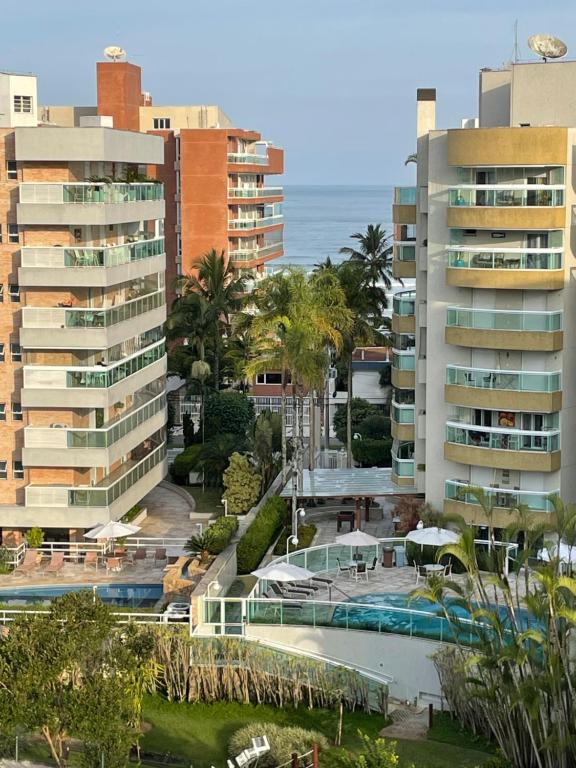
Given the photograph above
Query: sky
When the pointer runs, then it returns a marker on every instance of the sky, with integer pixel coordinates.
(332, 81)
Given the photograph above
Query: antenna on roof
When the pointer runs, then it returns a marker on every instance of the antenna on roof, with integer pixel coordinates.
(547, 46)
(516, 41)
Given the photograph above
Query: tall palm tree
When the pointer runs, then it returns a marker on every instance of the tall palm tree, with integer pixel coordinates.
(375, 252)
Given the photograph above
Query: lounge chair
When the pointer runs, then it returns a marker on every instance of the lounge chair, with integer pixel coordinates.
(306, 585)
(321, 580)
(29, 564)
(91, 559)
(56, 563)
(287, 594)
(291, 604)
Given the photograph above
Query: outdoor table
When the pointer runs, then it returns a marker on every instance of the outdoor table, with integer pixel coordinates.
(114, 564)
(434, 568)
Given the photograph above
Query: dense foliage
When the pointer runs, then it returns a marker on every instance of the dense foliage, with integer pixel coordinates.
(283, 740)
(231, 412)
(373, 453)
(375, 427)
(220, 534)
(242, 484)
(185, 463)
(361, 410)
(260, 534)
(306, 535)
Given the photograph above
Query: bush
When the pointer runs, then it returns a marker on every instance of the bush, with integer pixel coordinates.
(361, 409)
(131, 514)
(375, 427)
(372, 453)
(34, 537)
(242, 484)
(185, 463)
(231, 412)
(260, 534)
(283, 742)
(220, 533)
(306, 535)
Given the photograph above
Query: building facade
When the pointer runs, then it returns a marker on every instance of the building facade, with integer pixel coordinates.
(490, 373)
(82, 308)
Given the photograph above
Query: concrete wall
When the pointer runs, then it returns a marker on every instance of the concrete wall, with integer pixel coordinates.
(17, 85)
(542, 93)
(184, 117)
(494, 97)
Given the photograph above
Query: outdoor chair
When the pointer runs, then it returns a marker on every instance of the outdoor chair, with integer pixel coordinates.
(56, 563)
(306, 585)
(291, 604)
(448, 571)
(160, 555)
(357, 557)
(373, 566)
(361, 571)
(342, 568)
(421, 572)
(140, 554)
(287, 594)
(322, 583)
(91, 559)
(29, 564)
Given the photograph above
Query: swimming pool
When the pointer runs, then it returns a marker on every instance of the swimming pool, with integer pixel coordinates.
(125, 595)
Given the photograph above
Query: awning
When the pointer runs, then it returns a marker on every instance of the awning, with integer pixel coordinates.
(356, 483)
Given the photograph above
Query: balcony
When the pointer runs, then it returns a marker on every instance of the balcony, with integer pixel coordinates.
(404, 207)
(539, 391)
(264, 253)
(247, 158)
(527, 269)
(255, 192)
(403, 307)
(251, 224)
(458, 500)
(403, 369)
(403, 465)
(68, 447)
(404, 260)
(507, 206)
(402, 421)
(89, 203)
(515, 449)
(504, 329)
(90, 266)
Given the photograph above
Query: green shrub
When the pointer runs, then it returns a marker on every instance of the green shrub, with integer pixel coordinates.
(185, 463)
(131, 514)
(242, 484)
(283, 740)
(231, 412)
(5, 558)
(306, 535)
(260, 534)
(34, 537)
(375, 427)
(372, 453)
(360, 408)
(219, 534)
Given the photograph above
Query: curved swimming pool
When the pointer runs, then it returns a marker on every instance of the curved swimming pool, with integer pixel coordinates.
(125, 595)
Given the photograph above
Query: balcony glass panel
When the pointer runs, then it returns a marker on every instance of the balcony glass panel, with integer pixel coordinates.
(405, 195)
(503, 320)
(109, 256)
(500, 497)
(511, 175)
(502, 440)
(103, 318)
(265, 221)
(405, 252)
(505, 259)
(402, 467)
(403, 341)
(248, 192)
(245, 157)
(402, 414)
(107, 378)
(88, 193)
(403, 303)
(519, 381)
(533, 196)
(250, 254)
(404, 362)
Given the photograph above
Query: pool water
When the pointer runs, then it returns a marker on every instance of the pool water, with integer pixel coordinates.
(125, 595)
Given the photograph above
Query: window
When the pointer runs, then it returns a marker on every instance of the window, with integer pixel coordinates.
(1, 353)
(16, 411)
(0, 233)
(13, 233)
(161, 123)
(2, 411)
(1, 292)
(18, 470)
(14, 292)
(15, 352)
(3, 470)
(23, 104)
(271, 378)
(11, 169)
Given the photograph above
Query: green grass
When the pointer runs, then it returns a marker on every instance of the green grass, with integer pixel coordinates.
(208, 501)
(200, 733)
(448, 731)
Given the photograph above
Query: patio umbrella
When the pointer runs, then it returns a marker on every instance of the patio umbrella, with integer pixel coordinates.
(283, 572)
(357, 539)
(112, 530)
(432, 537)
(566, 554)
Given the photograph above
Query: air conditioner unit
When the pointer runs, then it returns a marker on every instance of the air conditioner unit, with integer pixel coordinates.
(59, 426)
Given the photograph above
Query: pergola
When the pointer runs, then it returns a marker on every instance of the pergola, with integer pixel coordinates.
(357, 483)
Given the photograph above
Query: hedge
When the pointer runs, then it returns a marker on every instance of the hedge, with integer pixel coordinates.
(131, 514)
(185, 463)
(372, 453)
(260, 534)
(219, 534)
(306, 534)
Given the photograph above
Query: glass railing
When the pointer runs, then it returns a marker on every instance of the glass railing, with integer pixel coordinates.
(404, 361)
(88, 192)
(402, 467)
(503, 320)
(266, 221)
(518, 381)
(249, 254)
(534, 195)
(248, 192)
(405, 195)
(103, 318)
(503, 440)
(505, 259)
(104, 496)
(537, 501)
(405, 252)
(104, 256)
(403, 303)
(107, 436)
(402, 414)
(113, 374)
(403, 341)
(246, 157)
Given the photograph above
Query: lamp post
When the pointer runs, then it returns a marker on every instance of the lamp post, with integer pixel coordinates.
(225, 503)
(291, 540)
(298, 515)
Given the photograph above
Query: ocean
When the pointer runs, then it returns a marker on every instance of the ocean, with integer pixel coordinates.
(318, 220)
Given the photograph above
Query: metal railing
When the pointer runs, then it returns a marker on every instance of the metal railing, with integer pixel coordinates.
(8, 615)
(524, 195)
(249, 192)
(265, 221)
(250, 254)
(248, 158)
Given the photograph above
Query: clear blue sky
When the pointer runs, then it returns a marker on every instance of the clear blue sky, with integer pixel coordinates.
(332, 81)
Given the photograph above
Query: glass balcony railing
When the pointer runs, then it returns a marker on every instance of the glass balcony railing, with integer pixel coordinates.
(402, 467)
(107, 436)
(403, 303)
(505, 259)
(508, 196)
(250, 192)
(106, 256)
(265, 221)
(503, 320)
(405, 252)
(113, 374)
(250, 254)
(88, 192)
(104, 318)
(536, 501)
(405, 195)
(404, 361)
(248, 158)
(403, 341)
(502, 440)
(402, 414)
(518, 381)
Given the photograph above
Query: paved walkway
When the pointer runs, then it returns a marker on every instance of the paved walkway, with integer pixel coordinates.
(407, 723)
(324, 518)
(170, 513)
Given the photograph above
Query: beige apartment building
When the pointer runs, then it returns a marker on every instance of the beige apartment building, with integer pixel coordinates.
(82, 307)
(484, 359)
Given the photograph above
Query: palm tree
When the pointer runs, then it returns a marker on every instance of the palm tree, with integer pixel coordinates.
(375, 252)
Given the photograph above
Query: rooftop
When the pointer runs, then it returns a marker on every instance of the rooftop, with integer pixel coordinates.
(344, 483)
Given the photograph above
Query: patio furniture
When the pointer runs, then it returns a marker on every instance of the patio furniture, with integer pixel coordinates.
(160, 555)
(292, 604)
(388, 557)
(361, 571)
(344, 517)
(91, 559)
(288, 594)
(357, 557)
(433, 569)
(342, 568)
(114, 564)
(421, 572)
(140, 554)
(306, 585)
(373, 566)
(322, 581)
(29, 564)
(56, 563)
(448, 571)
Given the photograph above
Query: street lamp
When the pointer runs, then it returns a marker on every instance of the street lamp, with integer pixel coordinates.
(225, 503)
(291, 540)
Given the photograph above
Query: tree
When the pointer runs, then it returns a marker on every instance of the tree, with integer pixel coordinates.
(360, 410)
(373, 453)
(213, 457)
(375, 253)
(376, 426)
(231, 412)
(267, 444)
(374, 753)
(242, 484)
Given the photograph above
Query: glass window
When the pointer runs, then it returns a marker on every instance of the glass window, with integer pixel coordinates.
(13, 233)
(14, 292)
(2, 411)
(23, 104)
(1, 353)
(15, 352)
(18, 470)
(3, 470)
(11, 169)
(161, 123)
(1, 292)
(16, 411)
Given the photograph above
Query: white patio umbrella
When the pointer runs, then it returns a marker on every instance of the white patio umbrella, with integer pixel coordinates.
(283, 572)
(357, 539)
(566, 554)
(112, 530)
(432, 537)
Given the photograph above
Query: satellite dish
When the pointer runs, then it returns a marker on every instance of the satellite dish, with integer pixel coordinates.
(114, 53)
(547, 46)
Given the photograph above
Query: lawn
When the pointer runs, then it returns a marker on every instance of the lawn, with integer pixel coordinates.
(208, 501)
(200, 733)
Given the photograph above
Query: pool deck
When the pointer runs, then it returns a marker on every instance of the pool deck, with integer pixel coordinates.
(75, 573)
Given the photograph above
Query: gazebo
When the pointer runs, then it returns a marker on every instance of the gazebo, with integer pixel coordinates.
(361, 484)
